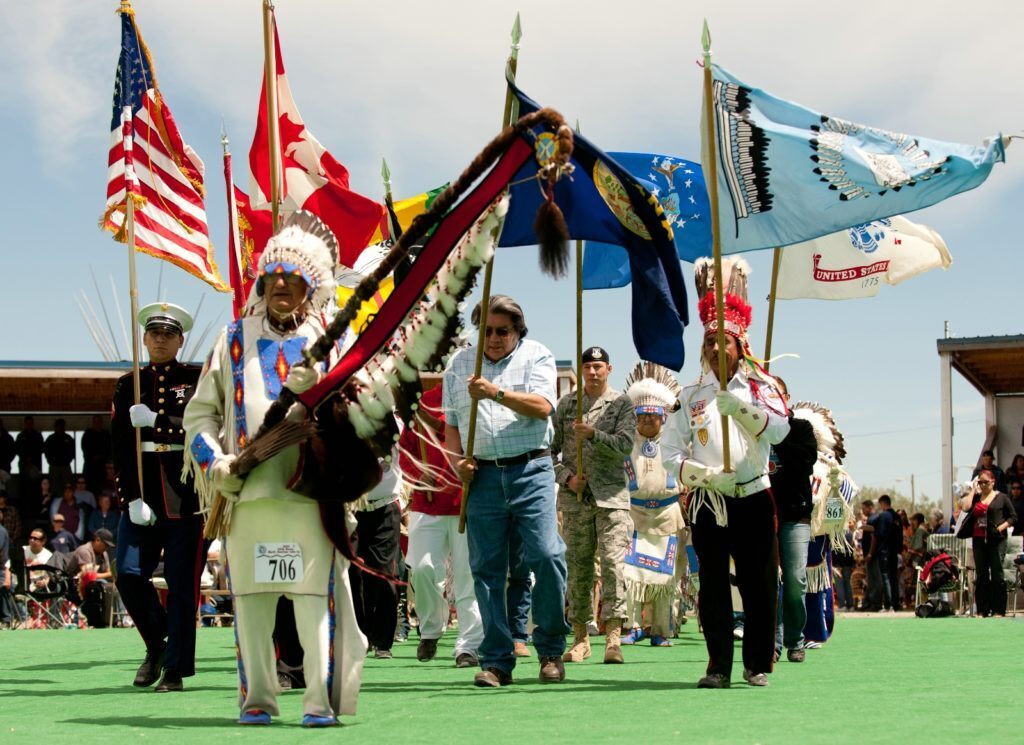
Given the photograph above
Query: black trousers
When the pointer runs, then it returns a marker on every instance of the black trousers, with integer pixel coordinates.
(990, 585)
(377, 544)
(750, 538)
(138, 553)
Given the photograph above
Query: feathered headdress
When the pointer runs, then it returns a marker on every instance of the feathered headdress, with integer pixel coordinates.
(306, 247)
(652, 389)
(737, 313)
(826, 433)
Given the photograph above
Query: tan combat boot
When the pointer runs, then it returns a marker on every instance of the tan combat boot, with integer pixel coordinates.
(580, 649)
(613, 643)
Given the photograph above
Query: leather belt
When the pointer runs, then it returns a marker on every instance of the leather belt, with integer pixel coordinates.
(161, 447)
(516, 460)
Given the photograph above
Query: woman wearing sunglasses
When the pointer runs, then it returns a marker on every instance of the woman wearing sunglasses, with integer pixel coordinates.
(992, 514)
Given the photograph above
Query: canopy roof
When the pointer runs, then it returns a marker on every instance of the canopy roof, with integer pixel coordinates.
(992, 364)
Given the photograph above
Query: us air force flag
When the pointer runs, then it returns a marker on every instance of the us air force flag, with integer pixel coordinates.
(602, 201)
(679, 186)
(788, 174)
(856, 262)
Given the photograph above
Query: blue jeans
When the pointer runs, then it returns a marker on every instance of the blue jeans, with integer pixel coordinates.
(520, 587)
(519, 498)
(793, 540)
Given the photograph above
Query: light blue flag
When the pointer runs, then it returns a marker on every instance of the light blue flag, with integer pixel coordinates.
(679, 186)
(787, 174)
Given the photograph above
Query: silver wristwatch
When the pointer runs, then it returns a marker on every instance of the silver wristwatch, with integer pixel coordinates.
(500, 395)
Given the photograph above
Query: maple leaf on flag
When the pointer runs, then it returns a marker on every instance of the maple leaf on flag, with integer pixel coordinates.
(311, 178)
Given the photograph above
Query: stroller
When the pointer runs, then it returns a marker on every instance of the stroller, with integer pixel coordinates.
(42, 596)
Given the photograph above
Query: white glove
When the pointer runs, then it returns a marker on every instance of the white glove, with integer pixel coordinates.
(142, 416)
(747, 415)
(139, 512)
(301, 378)
(696, 475)
(223, 480)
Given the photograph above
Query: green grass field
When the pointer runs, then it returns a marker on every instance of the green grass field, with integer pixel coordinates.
(882, 679)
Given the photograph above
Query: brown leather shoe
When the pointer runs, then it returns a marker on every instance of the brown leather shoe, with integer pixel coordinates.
(519, 649)
(552, 670)
(492, 677)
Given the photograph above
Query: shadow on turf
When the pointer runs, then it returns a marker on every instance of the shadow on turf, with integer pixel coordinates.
(97, 663)
(530, 685)
(183, 722)
(36, 693)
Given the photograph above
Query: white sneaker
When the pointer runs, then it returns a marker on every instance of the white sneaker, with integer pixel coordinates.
(755, 679)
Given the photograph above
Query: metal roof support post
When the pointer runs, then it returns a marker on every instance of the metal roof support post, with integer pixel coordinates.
(946, 396)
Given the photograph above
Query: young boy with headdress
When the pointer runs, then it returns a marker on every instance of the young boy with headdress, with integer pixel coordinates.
(652, 561)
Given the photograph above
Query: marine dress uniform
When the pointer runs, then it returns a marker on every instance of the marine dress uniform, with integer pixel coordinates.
(172, 525)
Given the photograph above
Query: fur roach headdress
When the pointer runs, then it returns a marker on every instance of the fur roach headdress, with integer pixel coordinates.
(652, 389)
(304, 246)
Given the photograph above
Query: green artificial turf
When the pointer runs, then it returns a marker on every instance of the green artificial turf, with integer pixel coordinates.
(882, 679)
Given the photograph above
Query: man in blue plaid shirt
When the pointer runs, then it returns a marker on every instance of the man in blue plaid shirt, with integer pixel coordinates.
(512, 484)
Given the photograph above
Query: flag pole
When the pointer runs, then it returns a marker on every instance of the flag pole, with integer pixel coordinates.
(776, 259)
(393, 234)
(579, 356)
(233, 236)
(716, 243)
(273, 135)
(485, 302)
(133, 299)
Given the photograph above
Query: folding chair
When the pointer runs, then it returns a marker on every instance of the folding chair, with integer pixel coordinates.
(45, 591)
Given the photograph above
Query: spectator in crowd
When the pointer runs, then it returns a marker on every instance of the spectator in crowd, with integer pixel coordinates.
(873, 592)
(992, 514)
(74, 517)
(918, 539)
(38, 510)
(843, 564)
(83, 495)
(5, 575)
(36, 551)
(889, 531)
(1016, 469)
(988, 464)
(92, 553)
(1017, 497)
(7, 449)
(104, 516)
(937, 522)
(60, 452)
(62, 541)
(29, 445)
(96, 452)
(109, 484)
(10, 519)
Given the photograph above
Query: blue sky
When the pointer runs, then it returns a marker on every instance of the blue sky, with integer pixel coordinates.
(421, 84)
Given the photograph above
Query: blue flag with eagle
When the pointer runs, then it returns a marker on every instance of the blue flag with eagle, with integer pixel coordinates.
(787, 174)
(679, 186)
(603, 202)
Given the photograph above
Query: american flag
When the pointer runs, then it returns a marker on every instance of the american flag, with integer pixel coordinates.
(150, 164)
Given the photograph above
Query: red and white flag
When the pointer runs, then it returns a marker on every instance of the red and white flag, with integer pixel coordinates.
(856, 262)
(150, 164)
(248, 233)
(312, 179)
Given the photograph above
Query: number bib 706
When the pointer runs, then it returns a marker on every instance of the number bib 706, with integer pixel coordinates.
(278, 562)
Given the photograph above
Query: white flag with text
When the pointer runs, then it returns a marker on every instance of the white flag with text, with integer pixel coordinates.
(856, 262)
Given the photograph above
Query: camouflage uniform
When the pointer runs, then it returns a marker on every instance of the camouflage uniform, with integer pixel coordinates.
(599, 524)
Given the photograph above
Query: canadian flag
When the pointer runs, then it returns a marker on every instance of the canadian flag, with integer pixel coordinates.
(856, 262)
(312, 179)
